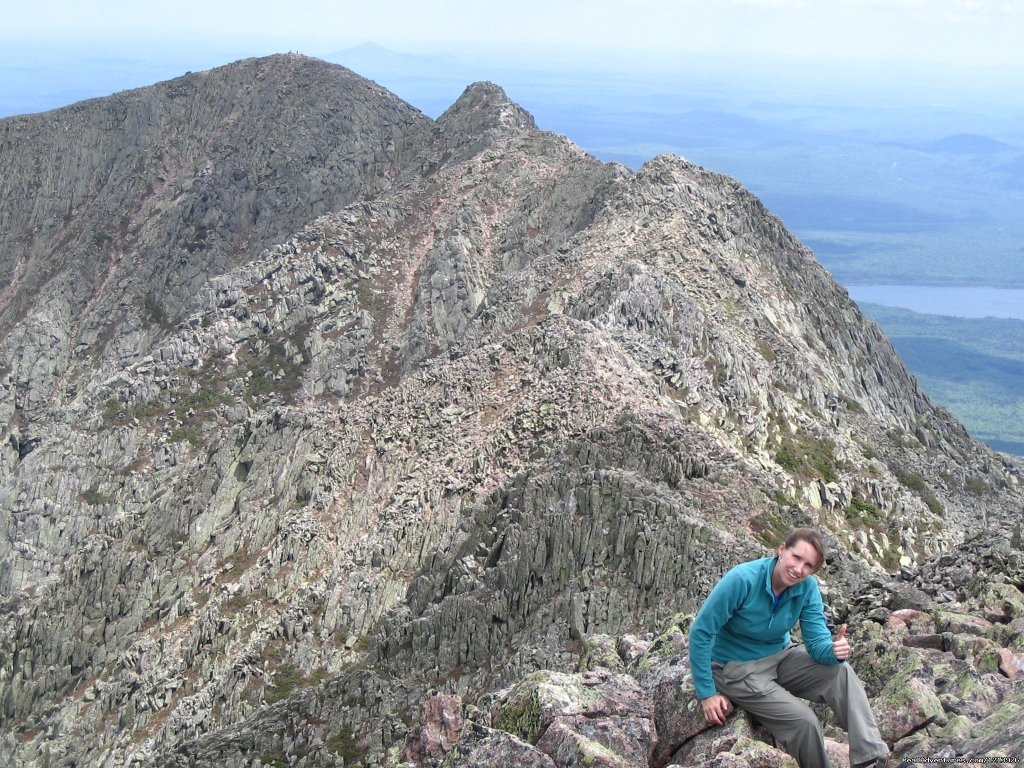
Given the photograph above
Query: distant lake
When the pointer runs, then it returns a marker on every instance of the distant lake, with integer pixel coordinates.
(944, 300)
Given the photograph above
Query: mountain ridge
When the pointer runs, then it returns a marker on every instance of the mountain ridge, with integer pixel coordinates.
(497, 399)
(179, 179)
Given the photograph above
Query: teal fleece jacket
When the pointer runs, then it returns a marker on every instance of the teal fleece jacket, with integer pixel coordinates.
(740, 621)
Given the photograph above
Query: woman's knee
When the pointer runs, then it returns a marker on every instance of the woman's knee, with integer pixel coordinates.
(805, 722)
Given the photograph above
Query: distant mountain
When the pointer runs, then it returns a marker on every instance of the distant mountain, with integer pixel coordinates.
(966, 143)
(373, 60)
(315, 407)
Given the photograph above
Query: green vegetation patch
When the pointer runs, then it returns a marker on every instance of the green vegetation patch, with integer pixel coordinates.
(235, 603)
(805, 455)
(154, 312)
(346, 745)
(984, 385)
(521, 714)
(119, 414)
(190, 407)
(275, 371)
(93, 497)
(864, 512)
(289, 678)
(916, 483)
(770, 527)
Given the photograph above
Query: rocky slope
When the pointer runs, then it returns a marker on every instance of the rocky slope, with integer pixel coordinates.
(323, 417)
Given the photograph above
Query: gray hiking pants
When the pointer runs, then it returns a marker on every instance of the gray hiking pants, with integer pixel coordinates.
(768, 689)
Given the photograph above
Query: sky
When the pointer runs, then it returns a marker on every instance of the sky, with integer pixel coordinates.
(967, 53)
(975, 33)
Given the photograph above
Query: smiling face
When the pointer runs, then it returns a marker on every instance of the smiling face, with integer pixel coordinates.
(795, 564)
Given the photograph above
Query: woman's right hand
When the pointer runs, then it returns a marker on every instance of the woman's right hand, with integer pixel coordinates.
(716, 708)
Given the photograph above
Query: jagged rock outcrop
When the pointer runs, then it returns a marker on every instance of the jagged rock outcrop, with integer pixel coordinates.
(427, 408)
(937, 675)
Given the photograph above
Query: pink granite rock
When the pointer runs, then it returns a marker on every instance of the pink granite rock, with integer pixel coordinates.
(442, 727)
(1010, 664)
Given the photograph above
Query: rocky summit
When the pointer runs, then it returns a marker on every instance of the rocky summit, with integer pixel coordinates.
(341, 436)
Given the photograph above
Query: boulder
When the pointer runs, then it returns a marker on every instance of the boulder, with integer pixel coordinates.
(596, 717)
(442, 728)
(486, 748)
(1010, 663)
(739, 738)
(905, 706)
(602, 742)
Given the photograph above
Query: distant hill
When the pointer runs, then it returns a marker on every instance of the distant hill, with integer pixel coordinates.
(985, 388)
(966, 143)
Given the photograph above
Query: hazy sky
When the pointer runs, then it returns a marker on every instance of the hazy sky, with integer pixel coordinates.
(957, 32)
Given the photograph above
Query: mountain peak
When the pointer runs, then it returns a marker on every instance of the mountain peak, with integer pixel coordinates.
(485, 107)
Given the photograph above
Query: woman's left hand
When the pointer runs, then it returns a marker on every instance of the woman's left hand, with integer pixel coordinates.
(840, 645)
